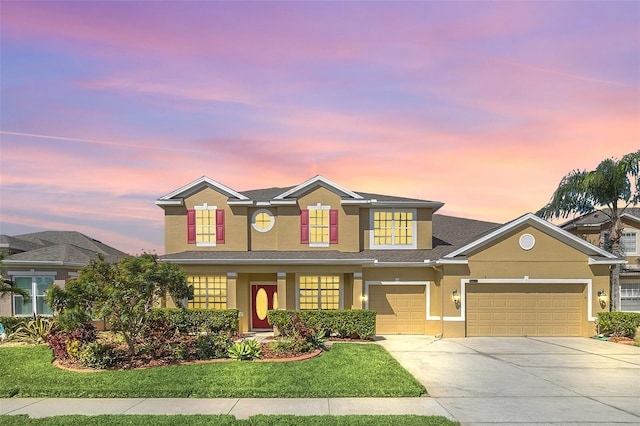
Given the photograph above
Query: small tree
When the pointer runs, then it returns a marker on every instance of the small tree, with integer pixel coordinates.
(122, 292)
(614, 185)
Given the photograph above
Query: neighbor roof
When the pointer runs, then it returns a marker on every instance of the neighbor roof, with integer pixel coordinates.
(57, 248)
(599, 218)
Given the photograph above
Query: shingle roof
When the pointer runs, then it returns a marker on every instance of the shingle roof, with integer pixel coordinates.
(67, 247)
(598, 217)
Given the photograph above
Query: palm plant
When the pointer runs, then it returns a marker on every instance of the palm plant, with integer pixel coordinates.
(8, 287)
(613, 186)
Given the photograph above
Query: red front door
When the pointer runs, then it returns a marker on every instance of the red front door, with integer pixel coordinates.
(264, 298)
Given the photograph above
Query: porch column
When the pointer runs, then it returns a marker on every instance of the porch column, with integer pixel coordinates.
(357, 290)
(232, 278)
(282, 290)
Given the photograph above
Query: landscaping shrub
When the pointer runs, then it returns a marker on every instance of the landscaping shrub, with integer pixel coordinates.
(619, 324)
(245, 351)
(213, 346)
(11, 323)
(35, 330)
(100, 355)
(348, 323)
(64, 343)
(194, 321)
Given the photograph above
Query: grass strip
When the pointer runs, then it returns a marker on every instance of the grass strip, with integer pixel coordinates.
(347, 370)
(227, 420)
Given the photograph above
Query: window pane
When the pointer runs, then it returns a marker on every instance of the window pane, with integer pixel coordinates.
(20, 307)
(210, 292)
(205, 225)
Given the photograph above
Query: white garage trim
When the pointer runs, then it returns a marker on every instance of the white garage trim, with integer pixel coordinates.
(525, 280)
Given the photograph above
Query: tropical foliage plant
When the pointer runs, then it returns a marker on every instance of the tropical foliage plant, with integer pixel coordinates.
(613, 186)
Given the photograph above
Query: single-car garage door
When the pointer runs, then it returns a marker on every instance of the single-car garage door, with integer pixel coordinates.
(400, 308)
(525, 309)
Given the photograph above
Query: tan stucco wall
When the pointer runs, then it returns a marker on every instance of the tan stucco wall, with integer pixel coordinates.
(548, 259)
(235, 221)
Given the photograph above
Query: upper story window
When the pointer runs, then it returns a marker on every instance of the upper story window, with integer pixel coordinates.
(262, 220)
(629, 243)
(393, 228)
(319, 226)
(205, 226)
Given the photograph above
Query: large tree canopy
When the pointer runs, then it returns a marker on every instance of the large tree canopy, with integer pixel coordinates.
(613, 186)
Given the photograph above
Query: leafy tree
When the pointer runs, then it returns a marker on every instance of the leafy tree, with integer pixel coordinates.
(8, 287)
(613, 186)
(122, 292)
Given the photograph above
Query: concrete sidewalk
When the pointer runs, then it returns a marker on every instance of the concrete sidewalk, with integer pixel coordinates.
(241, 408)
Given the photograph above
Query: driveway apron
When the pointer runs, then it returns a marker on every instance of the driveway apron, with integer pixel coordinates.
(525, 380)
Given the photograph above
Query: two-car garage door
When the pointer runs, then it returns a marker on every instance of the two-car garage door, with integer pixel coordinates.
(525, 309)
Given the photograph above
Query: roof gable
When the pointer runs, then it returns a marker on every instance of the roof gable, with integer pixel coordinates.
(315, 182)
(177, 197)
(542, 225)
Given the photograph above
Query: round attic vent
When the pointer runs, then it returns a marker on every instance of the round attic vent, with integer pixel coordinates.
(527, 241)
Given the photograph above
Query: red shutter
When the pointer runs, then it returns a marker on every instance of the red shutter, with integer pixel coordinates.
(333, 226)
(304, 226)
(191, 226)
(219, 226)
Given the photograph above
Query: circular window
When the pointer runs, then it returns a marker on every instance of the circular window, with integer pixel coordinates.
(527, 241)
(262, 220)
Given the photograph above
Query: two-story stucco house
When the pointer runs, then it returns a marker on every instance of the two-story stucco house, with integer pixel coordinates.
(594, 227)
(318, 245)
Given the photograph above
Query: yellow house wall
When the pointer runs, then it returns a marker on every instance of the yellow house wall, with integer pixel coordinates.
(235, 223)
(288, 223)
(548, 259)
(424, 228)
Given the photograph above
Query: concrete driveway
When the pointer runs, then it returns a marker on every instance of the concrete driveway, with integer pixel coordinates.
(525, 380)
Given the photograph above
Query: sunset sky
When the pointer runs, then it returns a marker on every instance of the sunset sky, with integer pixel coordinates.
(107, 106)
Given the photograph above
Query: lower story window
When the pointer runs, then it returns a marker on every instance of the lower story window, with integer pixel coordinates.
(209, 292)
(36, 287)
(630, 297)
(319, 292)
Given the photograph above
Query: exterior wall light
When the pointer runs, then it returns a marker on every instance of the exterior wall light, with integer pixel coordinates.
(363, 298)
(456, 297)
(602, 296)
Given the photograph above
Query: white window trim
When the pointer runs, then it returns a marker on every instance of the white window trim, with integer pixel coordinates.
(340, 290)
(319, 207)
(205, 206)
(413, 245)
(34, 289)
(635, 234)
(271, 216)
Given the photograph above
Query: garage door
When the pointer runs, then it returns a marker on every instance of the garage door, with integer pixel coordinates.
(400, 308)
(525, 310)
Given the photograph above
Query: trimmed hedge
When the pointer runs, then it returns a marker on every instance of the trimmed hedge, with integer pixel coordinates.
(359, 322)
(199, 320)
(621, 324)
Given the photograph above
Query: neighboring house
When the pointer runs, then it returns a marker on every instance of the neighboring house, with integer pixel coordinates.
(37, 260)
(594, 227)
(319, 245)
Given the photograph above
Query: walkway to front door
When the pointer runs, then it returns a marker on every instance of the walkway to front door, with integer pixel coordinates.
(263, 298)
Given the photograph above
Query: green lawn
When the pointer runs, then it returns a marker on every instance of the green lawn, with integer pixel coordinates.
(347, 370)
(227, 420)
